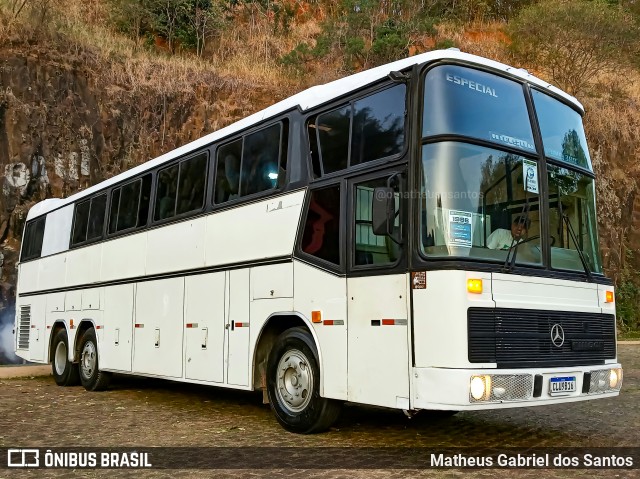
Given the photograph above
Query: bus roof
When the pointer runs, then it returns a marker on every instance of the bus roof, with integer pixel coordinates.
(305, 100)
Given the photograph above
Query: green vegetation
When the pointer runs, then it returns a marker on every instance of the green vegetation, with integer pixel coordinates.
(573, 42)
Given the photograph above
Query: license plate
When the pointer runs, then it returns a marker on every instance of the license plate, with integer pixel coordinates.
(560, 386)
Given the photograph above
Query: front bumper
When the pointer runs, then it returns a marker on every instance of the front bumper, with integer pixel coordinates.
(449, 389)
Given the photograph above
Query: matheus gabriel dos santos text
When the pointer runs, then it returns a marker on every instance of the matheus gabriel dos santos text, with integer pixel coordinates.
(531, 461)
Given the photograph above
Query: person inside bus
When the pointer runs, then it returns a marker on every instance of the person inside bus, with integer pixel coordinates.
(503, 238)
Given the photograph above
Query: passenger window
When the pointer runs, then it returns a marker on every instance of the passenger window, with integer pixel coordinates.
(81, 222)
(365, 130)
(191, 188)
(130, 205)
(378, 125)
(260, 161)
(228, 172)
(129, 202)
(321, 235)
(166, 193)
(96, 217)
(333, 136)
(113, 213)
(32, 241)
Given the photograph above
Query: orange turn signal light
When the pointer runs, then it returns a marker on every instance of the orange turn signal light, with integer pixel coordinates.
(609, 297)
(474, 286)
(316, 316)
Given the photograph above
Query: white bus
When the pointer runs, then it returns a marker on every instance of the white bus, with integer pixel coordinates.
(419, 236)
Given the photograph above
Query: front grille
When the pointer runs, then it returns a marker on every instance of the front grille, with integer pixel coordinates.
(24, 326)
(522, 337)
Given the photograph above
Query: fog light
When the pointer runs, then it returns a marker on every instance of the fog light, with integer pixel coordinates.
(499, 392)
(480, 387)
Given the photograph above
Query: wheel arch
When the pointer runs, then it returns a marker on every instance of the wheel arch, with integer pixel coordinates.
(57, 325)
(275, 325)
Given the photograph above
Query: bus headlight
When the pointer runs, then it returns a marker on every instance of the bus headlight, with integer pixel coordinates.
(480, 387)
(614, 377)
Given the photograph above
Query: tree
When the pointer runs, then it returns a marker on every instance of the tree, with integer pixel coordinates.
(574, 41)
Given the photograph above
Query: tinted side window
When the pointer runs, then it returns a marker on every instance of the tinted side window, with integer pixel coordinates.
(130, 205)
(365, 130)
(129, 202)
(191, 184)
(333, 136)
(81, 221)
(321, 235)
(32, 241)
(260, 154)
(166, 193)
(96, 217)
(378, 125)
(228, 172)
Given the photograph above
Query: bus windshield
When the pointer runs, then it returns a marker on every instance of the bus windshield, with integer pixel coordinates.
(480, 201)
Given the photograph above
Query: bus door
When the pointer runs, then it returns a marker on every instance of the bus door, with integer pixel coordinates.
(378, 313)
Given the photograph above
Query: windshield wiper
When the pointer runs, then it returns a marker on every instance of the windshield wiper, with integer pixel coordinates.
(573, 236)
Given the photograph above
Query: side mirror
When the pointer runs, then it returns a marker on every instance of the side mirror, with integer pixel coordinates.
(383, 210)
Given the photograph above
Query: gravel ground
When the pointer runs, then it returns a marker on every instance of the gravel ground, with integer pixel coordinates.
(141, 412)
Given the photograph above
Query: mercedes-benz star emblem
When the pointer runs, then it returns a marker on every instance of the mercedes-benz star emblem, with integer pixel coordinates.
(557, 335)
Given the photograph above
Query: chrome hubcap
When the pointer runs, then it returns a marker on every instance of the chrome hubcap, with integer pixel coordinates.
(60, 358)
(88, 359)
(294, 381)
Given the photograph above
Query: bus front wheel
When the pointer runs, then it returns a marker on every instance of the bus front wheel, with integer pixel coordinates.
(293, 384)
(64, 371)
(90, 375)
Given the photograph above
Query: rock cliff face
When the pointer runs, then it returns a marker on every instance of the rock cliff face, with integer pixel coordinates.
(65, 124)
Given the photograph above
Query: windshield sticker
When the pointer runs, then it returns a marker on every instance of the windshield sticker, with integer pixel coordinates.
(510, 140)
(479, 87)
(530, 172)
(460, 228)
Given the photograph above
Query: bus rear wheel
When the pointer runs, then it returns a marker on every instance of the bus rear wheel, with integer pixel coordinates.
(64, 371)
(293, 385)
(90, 375)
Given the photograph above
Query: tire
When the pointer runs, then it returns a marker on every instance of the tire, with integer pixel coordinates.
(90, 375)
(293, 385)
(64, 371)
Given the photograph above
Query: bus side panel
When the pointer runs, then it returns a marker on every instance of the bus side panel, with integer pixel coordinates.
(267, 230)
(239, 321)
(28, 276)
(83, 265)
(51, 271)
(124, 257)
(116, 339)
(317, 290)
(157, 333)
(54, 312)
(204, 332)
(176, 247)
